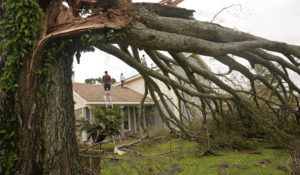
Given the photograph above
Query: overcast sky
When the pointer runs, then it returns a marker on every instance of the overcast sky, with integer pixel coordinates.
(272, 19)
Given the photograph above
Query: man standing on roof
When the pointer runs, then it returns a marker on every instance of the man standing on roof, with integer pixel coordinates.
(106, 81)
(122, 78)
(143, 60)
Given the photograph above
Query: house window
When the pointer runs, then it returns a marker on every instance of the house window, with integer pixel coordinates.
(126, 123)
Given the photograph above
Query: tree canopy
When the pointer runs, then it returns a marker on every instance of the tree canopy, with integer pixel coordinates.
(40, 38)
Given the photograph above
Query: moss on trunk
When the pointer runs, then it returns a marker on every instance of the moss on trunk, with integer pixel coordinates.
(46, 115)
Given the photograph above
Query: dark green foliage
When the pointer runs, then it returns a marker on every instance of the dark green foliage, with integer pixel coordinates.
(113, 35)
(107, 123)
(8, 151)
(20, 28)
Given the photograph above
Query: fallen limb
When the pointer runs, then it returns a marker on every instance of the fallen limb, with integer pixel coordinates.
(98, 143)
(117, 148)
(84, 150)
(124, 159)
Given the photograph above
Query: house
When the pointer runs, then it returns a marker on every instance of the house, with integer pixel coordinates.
(127, 100)
(137, 84)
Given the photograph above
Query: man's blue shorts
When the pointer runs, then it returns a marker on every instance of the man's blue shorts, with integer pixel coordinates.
(107, 87)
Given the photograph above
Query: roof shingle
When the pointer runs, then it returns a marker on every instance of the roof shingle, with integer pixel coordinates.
(95, 93)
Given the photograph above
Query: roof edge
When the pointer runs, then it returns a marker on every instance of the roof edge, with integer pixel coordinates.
(85, 102)
(118, 102)
(130, 79)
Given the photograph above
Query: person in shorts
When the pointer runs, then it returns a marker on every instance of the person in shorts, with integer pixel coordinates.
(106, 81)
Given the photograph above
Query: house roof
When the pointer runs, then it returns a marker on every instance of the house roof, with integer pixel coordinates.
(133, 78)
(186, 54)
(94, 94)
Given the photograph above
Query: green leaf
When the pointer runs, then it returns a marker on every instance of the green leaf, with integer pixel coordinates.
(25, 19)
(20, 12)
(12, 5)
(3, 21)
(27, 34)
(2, 131)
(23, 26)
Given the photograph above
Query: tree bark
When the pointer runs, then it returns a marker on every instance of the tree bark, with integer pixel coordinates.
(43, 105)
(45, 108)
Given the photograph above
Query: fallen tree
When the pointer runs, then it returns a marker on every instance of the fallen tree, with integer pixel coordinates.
(40, 38)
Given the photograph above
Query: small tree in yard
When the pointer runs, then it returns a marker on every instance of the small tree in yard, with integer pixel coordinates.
(107, 123)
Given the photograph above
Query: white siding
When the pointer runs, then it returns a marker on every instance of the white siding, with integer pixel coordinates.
(138, 86)
(79, 102)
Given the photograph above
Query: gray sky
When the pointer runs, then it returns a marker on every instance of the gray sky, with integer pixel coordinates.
(272, 19)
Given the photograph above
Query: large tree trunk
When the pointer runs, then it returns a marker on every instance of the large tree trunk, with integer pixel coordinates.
(42, 106)
(45, 108)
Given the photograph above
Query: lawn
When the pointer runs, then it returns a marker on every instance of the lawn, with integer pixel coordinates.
(181, 157)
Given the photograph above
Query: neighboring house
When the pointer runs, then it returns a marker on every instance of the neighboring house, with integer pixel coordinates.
(128, 99)
(137, 84)
(87, 96)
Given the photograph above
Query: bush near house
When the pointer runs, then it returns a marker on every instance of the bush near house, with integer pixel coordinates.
(107, 123)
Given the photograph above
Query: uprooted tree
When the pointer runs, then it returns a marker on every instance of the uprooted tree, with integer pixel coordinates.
(40, 38)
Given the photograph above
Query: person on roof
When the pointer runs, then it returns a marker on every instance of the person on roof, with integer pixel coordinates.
(106, 81)
(122, 78)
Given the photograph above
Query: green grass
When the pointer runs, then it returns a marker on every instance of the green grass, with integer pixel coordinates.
(185, 156)
(208, 165)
